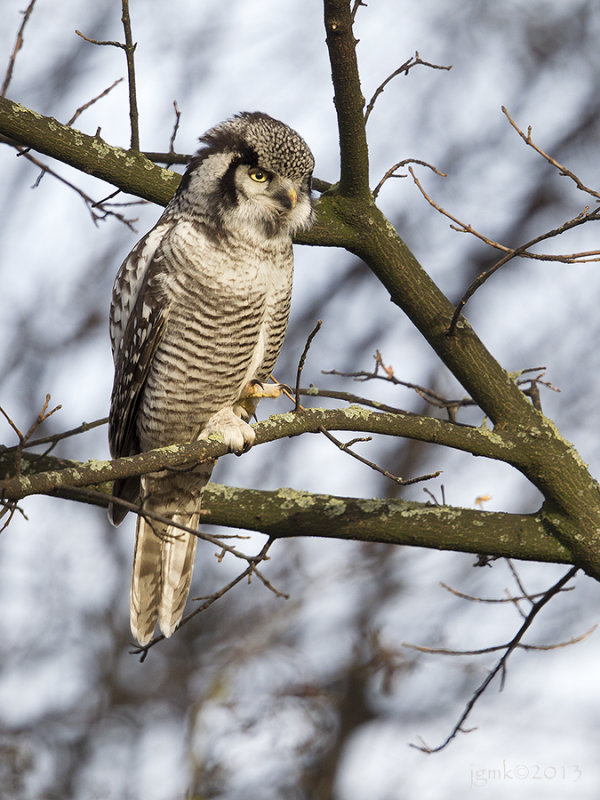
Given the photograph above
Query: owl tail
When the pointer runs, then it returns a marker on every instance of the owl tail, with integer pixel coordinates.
(163, 560)
(163, 564)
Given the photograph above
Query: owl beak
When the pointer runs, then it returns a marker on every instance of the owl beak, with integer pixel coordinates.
(292, 194)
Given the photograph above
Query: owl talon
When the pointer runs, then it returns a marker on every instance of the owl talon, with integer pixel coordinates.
(246, 446)
(255, 389)
(237, 435)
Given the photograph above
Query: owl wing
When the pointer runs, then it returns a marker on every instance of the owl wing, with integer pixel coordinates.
(129, 280)
(134, 346)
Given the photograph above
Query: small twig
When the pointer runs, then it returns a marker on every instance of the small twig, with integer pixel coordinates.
(175, 127)
(56, 437)
(13, 426)
(105, 43)
(392, 170)
(25, 437)
(533, 392)
(311, 336)
(430, 494)
(510, 599)
(151, 516)
(500, 667)
(433, 398)
(355, 7)
(346, 448)
(10, 507)
(584, 216)
(561, 169)
(91, 102)
(16, 48)
(89, 202)
(482, 651)
(523, 250)
(129, 47)
(348, 397)
(411, 62)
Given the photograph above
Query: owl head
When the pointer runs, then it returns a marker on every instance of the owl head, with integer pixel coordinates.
(252, 175)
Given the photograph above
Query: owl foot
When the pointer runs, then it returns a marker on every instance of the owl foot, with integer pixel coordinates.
(256, 389)
(237, 435)
(252, 392)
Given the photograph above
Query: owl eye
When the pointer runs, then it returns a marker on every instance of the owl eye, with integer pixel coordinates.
(259, 175)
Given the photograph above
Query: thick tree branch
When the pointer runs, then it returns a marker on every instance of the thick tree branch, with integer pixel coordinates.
(130, 171)
(285, 513)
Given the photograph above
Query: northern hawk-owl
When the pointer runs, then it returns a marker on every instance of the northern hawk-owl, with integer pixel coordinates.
(198, 316)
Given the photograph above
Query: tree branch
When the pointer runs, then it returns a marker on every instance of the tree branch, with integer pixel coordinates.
(16, 48)
(479, 441)
(348, 99)
(500, 667)
(287, 513)
(129, 171)
(129, 48)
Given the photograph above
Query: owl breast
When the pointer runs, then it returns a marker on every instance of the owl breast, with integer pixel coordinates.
(226, 324)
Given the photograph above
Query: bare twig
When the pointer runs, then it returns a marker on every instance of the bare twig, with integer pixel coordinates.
(151, 516)
(346, 448)
(584, 216)
(129, 47)
(91, 102)
(46, 170)
(509, 599)
(429, 395)
(482, 651)
(413, 61)
(175, 127)
(9, 508)
(100, 43)
(391, 173)
(561, 169)
(311, 336)
(500, 667)
(524, 250)
(25, 437)
(56, 437)
(356, 6)
(16, 48)
(434, 499)
(89, 202)
(348, 397)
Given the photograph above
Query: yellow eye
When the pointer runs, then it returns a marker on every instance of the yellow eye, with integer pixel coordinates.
(259, 175)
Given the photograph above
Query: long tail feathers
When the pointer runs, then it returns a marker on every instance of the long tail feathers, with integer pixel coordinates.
(162, 573)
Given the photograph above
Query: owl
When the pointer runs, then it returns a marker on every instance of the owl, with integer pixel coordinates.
(199, 312)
